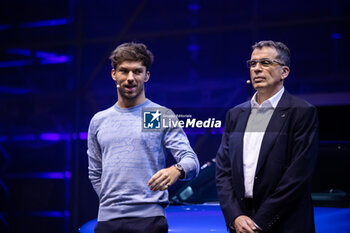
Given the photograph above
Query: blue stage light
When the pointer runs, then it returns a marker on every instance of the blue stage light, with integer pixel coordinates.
(336, 36)
(17, 63)
(46, 23)
(14, 91)
(5, 27)
(40, 175)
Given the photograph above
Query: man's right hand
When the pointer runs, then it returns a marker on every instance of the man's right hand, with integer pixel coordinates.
(244, 224)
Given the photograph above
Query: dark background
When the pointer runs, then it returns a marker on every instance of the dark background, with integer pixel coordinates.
(55, 74)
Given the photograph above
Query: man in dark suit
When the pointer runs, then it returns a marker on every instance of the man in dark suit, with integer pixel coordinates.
(268, 152)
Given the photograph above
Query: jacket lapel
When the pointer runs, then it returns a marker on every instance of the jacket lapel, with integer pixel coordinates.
(273, 129)
(238, 135)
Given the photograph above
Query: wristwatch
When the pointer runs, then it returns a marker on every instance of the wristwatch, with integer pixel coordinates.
(180, 168)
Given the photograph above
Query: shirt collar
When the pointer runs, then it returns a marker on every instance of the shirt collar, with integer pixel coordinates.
(271, 102)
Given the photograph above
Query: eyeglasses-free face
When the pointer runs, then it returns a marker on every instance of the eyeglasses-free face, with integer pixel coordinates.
(265, 62)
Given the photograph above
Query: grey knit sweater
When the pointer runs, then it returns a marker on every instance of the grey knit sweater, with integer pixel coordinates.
(123, 157)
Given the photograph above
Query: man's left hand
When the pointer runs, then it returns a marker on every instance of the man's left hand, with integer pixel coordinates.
(164, 178)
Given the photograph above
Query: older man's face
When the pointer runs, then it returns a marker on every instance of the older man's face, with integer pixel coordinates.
(268, 77)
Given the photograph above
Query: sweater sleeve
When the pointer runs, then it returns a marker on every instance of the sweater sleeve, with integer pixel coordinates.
(176, 141)
(94, 158)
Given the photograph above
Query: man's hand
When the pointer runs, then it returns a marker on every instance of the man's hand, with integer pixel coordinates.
(164, 178)
(244, 224)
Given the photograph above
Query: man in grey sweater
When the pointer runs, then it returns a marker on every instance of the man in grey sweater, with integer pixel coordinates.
(127, 162)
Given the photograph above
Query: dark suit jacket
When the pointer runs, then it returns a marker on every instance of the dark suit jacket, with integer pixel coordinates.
(282, 196)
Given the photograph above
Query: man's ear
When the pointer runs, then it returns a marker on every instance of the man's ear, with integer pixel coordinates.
(114, 74)
(285, 72)
(148, 74)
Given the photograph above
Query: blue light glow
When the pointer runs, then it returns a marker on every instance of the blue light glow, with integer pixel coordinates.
(56, 60)
(45, 58)
(29, 137)
(45, 23)
(83, 135)
(23, 52)
(193, 47)
(67, 174)
(50, 137)
(5, 27)
(194, 7)
(52, 58)
(15, 91)
(336, 36)
(40, 175)
(18, 63)
(50, 214)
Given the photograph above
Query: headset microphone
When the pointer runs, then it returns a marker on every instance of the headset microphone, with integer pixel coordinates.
(118, 85)
(248, 81)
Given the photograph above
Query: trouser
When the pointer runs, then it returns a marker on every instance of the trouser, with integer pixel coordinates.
(157, 224)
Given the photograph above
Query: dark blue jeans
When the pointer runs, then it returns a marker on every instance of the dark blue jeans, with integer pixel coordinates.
(156, 224)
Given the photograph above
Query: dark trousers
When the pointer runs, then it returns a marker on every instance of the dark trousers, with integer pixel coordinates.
(156, 224)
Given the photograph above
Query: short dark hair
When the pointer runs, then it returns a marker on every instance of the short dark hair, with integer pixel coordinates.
(131, 52)
(282, 50)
